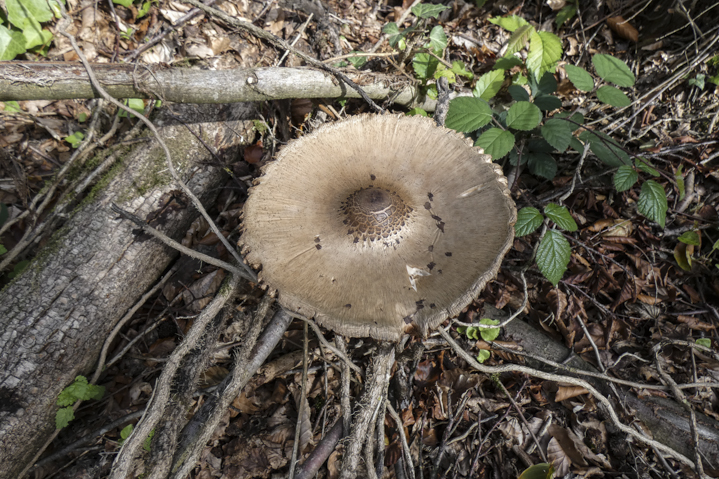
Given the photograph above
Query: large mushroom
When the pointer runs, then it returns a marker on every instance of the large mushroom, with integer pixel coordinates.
(379, 225)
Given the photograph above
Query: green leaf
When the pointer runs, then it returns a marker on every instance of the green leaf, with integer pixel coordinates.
(691, 237)
(547, 85)
(519, 39)
(4, 213)
(460, 69)
(394, 33)
(697, 81)
(443, 71)
(79, 390)
(12, 106)
(417, 111)
(75, 139)
(574, 119)
(547, 102)
(613, 96)
(528, 220)
(12, 43)
(561, 217)
(510, 23)
(542, 164)
(558, 133)
(148, 442)
(3, 249)
(604, 147)
(580, 78)
(483, 355)
(357, 62)
(507, 63)
(18, 269)
(518, 93)
(679, 178)
(489, 334)
(437, 40)
(19, 10)
(488, 84)
(496, 142)
(706, 342)
(124, 3)
(142, 11)
(424, 65)
(646, 167)
(424, 10)
(34, 34)
(468, 114)
(565, 14)
(539, 471)
(63, 417)
(545, 50)
(125, 433)
(613, 70)
(553, 256)
(523, 116)
(653, 202)
(576, 144)
(716, 245)
(625, 178)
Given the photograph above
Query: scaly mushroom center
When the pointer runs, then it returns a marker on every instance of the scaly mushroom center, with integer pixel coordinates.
(374, 214)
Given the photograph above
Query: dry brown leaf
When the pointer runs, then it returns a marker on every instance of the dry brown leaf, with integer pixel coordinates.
(568, 392)
(558, 458)
(694, 323)
(623, 28)
(568, 442)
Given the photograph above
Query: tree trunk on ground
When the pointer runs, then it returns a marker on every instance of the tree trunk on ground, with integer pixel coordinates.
(56, 315)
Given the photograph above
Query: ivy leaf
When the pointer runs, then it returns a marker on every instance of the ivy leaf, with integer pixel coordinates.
(528, 220)
(542, 164)
(646, 167)
(424, 65)
(489, 84)
(19, 10)
(653, 202)
(553, 256)
(496, 142)
(625, 178)
(437, 40)
(489, 334)
(428, 10)
(12, 43)
(63, 417)
(613, 70)
(561, 216)
(558, 133)
(613, 96)
(395, 35)
(690, 237)
(580, 78)
(519, 38)
(510, 23)
(523, 116)
(545, 50)
(357, 62)
(468, 114)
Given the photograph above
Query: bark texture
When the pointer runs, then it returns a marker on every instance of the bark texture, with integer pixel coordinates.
(56, 315)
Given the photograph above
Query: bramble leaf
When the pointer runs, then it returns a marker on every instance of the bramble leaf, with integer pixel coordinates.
(547, 102)
(528, 220)
(545, 50)
(424, 65)
(63, 417)
(646, 167)
(558, 133)
(496, 142)
(507, 62)
(653, 202)
(468, 114)
(604, 147)
(519, 38)
(625, 178)
(553, 256)
(613, 70)
(580, 78)
(510, 23)
(613, 96)
(523, 116)
(518, 93)
(489, 84)
(561, 216)
(542, 164)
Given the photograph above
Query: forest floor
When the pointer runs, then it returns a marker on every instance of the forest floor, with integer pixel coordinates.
(639, 299)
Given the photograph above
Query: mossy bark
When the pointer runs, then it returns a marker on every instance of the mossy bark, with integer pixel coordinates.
(56, 315)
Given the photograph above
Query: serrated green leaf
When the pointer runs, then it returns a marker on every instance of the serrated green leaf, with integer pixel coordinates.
(679, 178)
(146, 445)
(424, 65)
(646, 167)
(63, 417)
(488, 84)
(539, 145)
(580, 78)
(545, 50)
(467, 114)
(514, 158)
(565, 14)
(523, 116)
(417, 111)
(443, 71)
(437, 40)
(528, 220)
(12, 43)
(547, 85)
(613, 96)
(706, 342)
(496, 142)
(690, 237)
(625, 178)
(613, 70)
(507, 63)
(558, 133)
(510, 23)
(576, 144)
(428, 10)
(561, 216)
(542, 164)
(460, 69)
(547, 102)
(653, 202)
(483, 355)
(605, 149)
(553, 256)
(489, 334)
(518, 93)
(519, 39)
(432, 92)
(575, 119)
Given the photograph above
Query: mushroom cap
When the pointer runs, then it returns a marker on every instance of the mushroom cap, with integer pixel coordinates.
(377, 225)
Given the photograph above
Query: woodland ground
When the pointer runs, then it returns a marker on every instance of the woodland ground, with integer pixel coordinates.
(634, 296)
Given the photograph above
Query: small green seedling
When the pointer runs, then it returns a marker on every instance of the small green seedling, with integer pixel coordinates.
(79, 390)
(487, 334)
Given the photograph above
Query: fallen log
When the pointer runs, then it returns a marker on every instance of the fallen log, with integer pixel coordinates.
(55, 316)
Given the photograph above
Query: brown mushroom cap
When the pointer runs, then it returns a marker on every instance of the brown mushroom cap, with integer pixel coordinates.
(377, 223)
